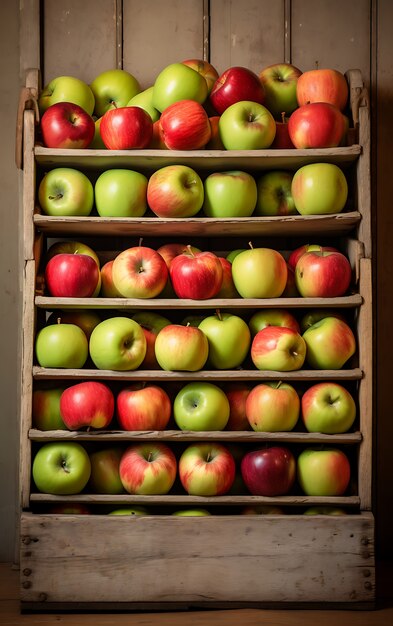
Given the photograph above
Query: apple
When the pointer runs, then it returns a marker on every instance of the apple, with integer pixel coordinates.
(178, 82)
(113, 89)
(319, 189)
(46, 409)
(262, 509)
(324, 510)
(185, 126)
(61, 468)
(64, 192)
(214, 142)
(157, 140)
(329, 408)
(121, 193)
(229, 340)
(316, 125)
(181, 348)
(61, 346)
(76, 508)
(66, 89)
(247, 125)
(87, 320)
(229, 194)
(308, 247)
(71, 276)
(322, 85)
(205, 69)
(105, 477)
(290, 290)
(323, 472)
(148, 469)
(273, 407)
(71, 247)
(144, 99)
(196, 276)
(278, 348)
(330, 343)
(127, 128)
(117, 343)
(168, 251)
(191, 513)
(67, 125)
(97, 143)
(259, 273)
(237, 394)
(151, 323)
(192, 320)
(108, 289)
(207, 469)
(88, 404)
(233, 253)
(323, 274)
(272, 317)
(282, 140)
(143, 407)
(274, 194)
(234, 85)
(280, 83)
(315, 315)
(175, 191)
(269, 471)
(134, 510)
(139, 272)
(228, 289)
(201, 406)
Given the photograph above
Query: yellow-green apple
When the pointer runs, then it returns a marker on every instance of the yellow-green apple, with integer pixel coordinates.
(323, 274)
(191, 513)
(273, 407)
(315, 315)
(272, 317)
(234, 85)
(144, 99)
(178, 82)
(185, 126)
(97, 143)
(319, 189)
(105, 477)
(323, 85)
(139, 272)
(117, 343)
(323, 472)
(108, 289)
(282, 140)
(229, 194)
(181, 348)
(61, 468)
(262, 509)
(61, 346)
(228, 289)
(237, 394)
(148, 469)
(113, 89)
(207, 469)
(214, 142)
(316, 125)
(151, 323)
(324, 510)
(229, 340)
(308, 247)
(247, 125)
(66, 89)
(280, 82)
(196, 276)
(205, 69)
(127, 128)
(269, 471)
(259, 273)
(175, 191)
(86, 319)
(46, 409)
(274, 195)
(330, 343)
(278, 348)
(89, 404)
(65, 191)
(134, 510)
(121, 193)
(168, 251)
(201, 406)
(67, 125)
(328, 408)
(143, 407)
(71, 276)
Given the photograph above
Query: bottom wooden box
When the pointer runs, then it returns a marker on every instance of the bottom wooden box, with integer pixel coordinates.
(157, 562)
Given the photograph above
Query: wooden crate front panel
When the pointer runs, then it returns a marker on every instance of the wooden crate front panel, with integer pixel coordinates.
(197, 560)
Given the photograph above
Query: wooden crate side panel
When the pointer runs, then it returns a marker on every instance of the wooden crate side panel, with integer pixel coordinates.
(164, 559)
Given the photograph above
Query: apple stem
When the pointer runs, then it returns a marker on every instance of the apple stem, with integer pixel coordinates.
(59, 320)
(113, 103)
(283, 117)
(140, 241)
(189, 248)
(218, 313)
(279, 384)
(208, 458)
(64, 466)
(57, 197)
(251, 246)
(149, 457)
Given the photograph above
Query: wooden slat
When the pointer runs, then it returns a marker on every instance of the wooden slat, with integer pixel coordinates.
(29, 178)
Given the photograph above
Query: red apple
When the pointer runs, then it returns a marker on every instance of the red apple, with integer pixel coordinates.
(278, 348)
(196, 276)
(205, 69)
(185, 126)
(272, 317)
(142, 407)
(237, 395)
(316, 125)
(175, 191)
(228, 289)
(108, 289)
(215, 142)
(234, 85)
(139, 272)
(87, 404)
(323, 274)
(148, 469)
(151, 323)
(322, 85)
(105, 477)
(298, 252)
(168, 251)
(67, 125)
(207, 469)
(282, 139)
(269, 471)
(157, 139)
(273, 407)
(71, 276)
(126, 128)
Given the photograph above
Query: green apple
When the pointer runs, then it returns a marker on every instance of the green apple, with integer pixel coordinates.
(280, 83)
(178, 82)
(121, 193)
(181, 348)
(66, 89)
(324, 472)
(233, 254)
(61, 346)
(201, 406)
(65, 191)
(229, 194)
(104, 477)
(144, 100)
(117, 343)
(330, 343)
(319, 189)
(46, 409)
(229, 339)
(134, 510)
(275, 194)
(191, 513)
(61, 468)
(247, 125)
(259, 273)
(329, 408)
(315, 315)
(86, 319)
(324, 510)
(113, 89)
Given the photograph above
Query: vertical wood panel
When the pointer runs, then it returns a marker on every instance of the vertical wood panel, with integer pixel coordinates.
(79, 38)
(248, 33)
(158, 33)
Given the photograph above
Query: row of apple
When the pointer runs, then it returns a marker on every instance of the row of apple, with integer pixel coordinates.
(178, 191)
